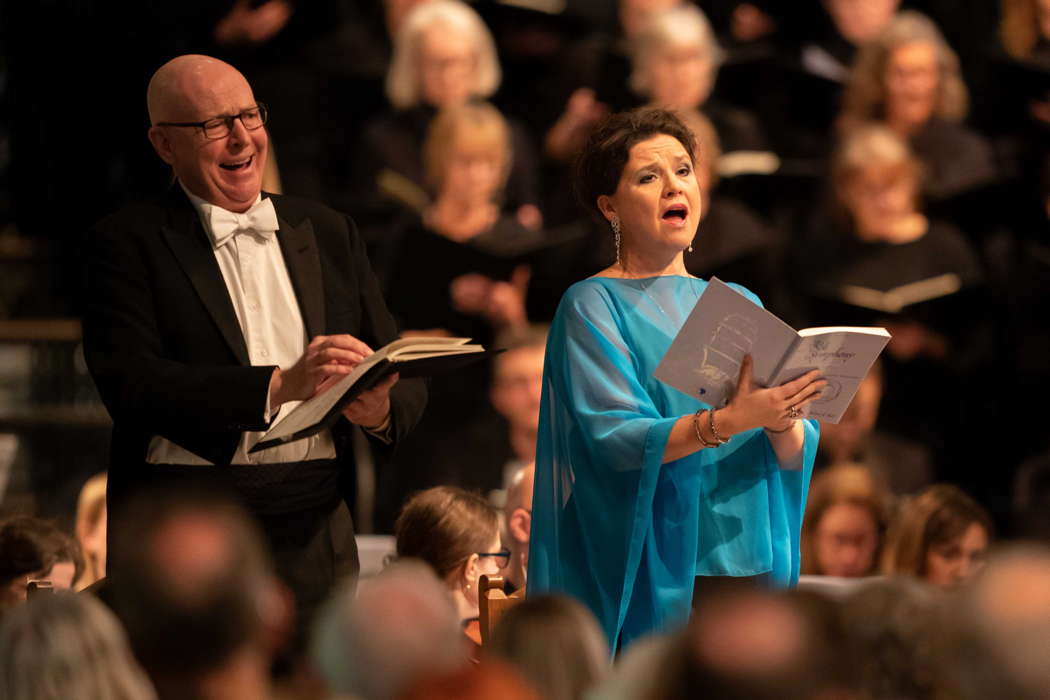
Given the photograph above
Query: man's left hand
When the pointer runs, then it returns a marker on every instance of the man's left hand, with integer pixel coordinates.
(371, 409)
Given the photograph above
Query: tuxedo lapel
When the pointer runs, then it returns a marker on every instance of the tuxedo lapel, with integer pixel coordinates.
(194, 253)
(303, 260)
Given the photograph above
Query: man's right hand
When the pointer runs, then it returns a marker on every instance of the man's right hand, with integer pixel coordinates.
(327, 359)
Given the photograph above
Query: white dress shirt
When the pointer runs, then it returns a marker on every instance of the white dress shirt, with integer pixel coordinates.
(263, 297)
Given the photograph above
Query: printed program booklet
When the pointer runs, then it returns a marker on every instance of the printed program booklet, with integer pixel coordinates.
(704, 358)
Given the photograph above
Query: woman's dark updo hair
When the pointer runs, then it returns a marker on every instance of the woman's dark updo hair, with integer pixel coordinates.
(601, 162)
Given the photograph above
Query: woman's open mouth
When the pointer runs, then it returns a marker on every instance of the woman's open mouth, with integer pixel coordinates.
(676, 213)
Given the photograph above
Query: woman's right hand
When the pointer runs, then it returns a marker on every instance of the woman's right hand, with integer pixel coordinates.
(755, 407)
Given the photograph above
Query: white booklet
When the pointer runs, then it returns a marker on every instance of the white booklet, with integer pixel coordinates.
(410, 357)
(704, 358)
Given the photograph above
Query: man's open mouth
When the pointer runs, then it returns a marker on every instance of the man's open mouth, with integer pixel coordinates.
(239, 165)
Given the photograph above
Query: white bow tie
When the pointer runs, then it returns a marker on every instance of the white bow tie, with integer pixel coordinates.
(261, 220)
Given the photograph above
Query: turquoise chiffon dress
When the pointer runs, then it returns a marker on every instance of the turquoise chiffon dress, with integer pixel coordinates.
(612, 525)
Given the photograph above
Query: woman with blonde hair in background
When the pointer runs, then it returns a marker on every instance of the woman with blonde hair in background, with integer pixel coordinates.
(940, 535)
(444, 57)
(63, 646)
(90, 530)
(458, 267)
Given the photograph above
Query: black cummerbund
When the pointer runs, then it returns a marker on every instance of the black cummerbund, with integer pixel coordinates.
(265, 489)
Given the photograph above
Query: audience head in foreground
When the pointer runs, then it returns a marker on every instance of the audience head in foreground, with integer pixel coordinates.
(481, 682)
(555, 643)
(401, 626)
(893, 624)
(457, 533)
(33, 550)
(940, 535)
(756, 646)
(63, 646)
(1000, 629)
(204, 611)
(846, 517)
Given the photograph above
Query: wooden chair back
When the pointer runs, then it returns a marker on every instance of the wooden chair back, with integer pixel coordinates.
(493, 603)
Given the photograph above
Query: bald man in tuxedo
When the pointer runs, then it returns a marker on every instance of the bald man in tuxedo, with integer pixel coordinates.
(215, 309)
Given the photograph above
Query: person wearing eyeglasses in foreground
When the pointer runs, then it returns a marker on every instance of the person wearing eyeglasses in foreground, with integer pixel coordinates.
(214, 309)
(457, 533)
(646, 499)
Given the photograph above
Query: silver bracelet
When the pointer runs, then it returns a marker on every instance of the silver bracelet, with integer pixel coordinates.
(699, 435)
(714, 431)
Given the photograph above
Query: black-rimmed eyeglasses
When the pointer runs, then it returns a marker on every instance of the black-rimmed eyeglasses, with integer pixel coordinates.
(219, 127)
(502, 557)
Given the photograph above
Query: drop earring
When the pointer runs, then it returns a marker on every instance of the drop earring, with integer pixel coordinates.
(615, 225)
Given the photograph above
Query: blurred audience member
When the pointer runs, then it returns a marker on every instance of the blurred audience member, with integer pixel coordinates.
(858, 265)
(517, 516)
(197, 593)
(401, 625)
(517, 383)
(940, 535)
(1030, 503)
(461, 254)
(675, 60)
(1018, 99)
(34, 550)
(482, 682)
(632, 676)
(1019, 267)
(555, 643)
(90, 530)
(908, 77)
(734, 243)
(462, 268)
(846, 517)
(444, 57)
(65, 646)
(999, 629)
(598, 71)
(797, 85)
(893, 624)
(457, 533)
(903, 465)
(755, 646)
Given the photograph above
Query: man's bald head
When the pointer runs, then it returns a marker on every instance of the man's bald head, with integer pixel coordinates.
(192, 89)
(519, 492)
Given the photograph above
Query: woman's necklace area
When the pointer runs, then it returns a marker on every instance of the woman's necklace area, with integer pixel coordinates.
(645, 283)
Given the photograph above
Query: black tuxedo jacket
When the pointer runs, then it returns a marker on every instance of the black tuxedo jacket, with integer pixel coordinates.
(162, 340)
